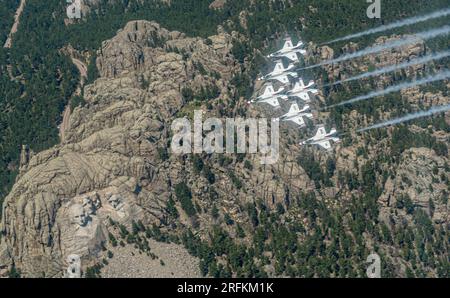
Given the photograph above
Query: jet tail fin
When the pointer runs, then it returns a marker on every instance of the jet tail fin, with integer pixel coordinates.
(288, 44)
(325, 144)
(321, 133)
(269, 90)
(294, 109)
(299, 121)
(279, 66)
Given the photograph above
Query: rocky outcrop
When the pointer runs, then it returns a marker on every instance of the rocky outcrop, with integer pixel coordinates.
(109, 164)
(421, 177)
(217, 4)
(110, 149)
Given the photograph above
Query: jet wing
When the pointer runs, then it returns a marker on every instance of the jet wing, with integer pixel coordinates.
(320, 133)
(298, 120)
(282, 79)
(324, 144)
(291, 56)
(271, 101)
(304, 96)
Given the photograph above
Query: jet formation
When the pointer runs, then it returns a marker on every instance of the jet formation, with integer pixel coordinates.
(291, 88)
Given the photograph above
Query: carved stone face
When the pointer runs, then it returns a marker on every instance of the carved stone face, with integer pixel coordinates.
(97, 202)
(88, 205)
(73, 259)
(115, 201)
(91, 204)
(78, 215)
(74, 268)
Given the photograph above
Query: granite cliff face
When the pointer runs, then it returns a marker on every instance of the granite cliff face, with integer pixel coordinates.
(109, 165)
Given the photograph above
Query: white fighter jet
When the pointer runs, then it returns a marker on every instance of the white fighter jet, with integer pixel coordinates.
(301, 90)
(289, 50)
(296, 115)
(269, 91)
(280, 73)
(270, 96)
(300, 86)
(322, 138)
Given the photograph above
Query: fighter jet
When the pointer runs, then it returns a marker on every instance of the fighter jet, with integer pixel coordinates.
(269, 91)
(301, 90)
(280, 72)
(296, 115)
(289, 50)
(322, 138)
(300, 86)
(270, 96)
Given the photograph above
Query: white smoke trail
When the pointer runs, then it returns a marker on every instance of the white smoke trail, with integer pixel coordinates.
(424, 35)
(438, 77)
(420, 60)
(430, 112)
(398, 24)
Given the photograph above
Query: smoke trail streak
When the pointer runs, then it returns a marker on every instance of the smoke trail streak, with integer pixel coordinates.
(398, 24)
(424, 35)
(420, 60)
(438, 77)
(430, 112)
